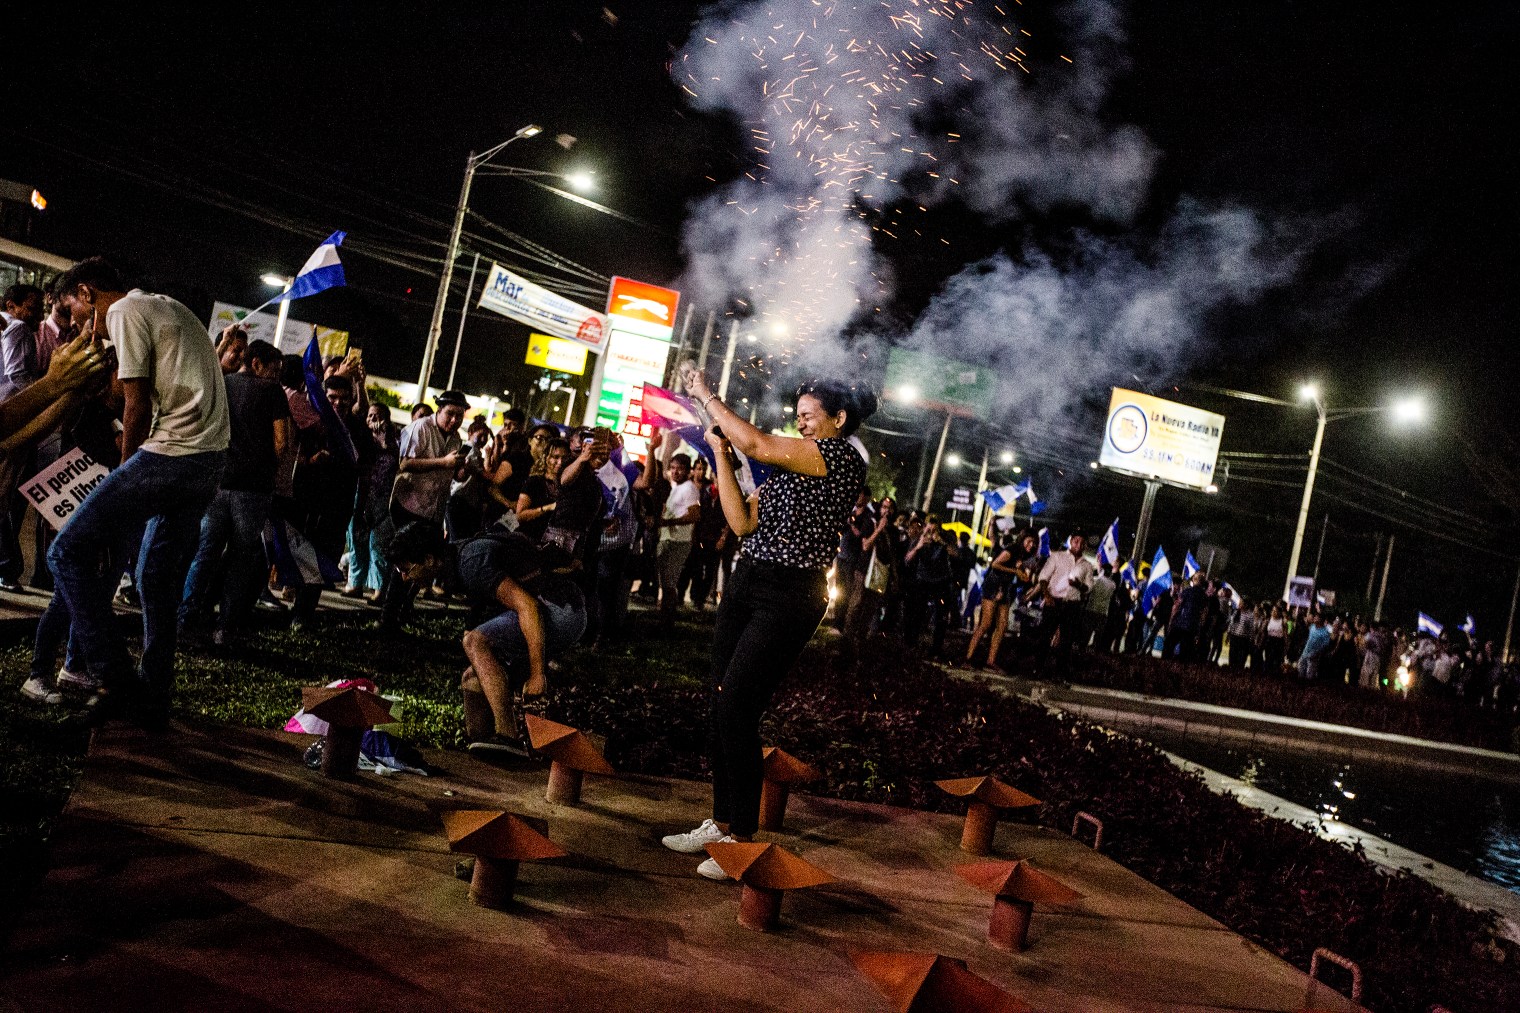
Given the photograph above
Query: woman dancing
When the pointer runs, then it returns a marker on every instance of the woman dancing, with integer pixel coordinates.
(778, 592)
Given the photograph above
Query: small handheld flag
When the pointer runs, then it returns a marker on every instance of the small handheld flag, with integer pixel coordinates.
(1044, 542)
(1425, 624)
(1190, 566)
(1161, 580)
(321, 271)
(1000, 497)
(1469, 626)
(1108, 548)
(1128, 575)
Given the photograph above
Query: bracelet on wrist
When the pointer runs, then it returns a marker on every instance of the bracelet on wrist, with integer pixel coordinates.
(707, 400)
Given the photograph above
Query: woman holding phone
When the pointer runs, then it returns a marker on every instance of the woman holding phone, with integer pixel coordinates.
(778, 593)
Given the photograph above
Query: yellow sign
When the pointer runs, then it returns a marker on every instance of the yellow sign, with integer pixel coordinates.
(556, 354)
(1153, 438)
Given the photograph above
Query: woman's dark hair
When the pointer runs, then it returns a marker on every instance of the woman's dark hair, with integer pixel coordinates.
(857, 401)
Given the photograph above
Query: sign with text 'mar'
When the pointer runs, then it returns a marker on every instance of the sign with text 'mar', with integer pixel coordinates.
(517, 297)
(1153, 438)
(57, 490)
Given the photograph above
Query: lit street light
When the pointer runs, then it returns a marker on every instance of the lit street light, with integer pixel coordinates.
(907, 394)
(954, 460)
(282, 283)
(1006, 457)
(435, 326)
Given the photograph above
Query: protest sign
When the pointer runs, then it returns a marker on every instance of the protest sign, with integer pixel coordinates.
(57, 490)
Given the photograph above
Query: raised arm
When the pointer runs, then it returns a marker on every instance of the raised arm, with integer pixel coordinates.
(801, 456)
(741, 512)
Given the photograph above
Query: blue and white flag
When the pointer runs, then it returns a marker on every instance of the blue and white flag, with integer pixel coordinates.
(1189, 566)
(1161, 580)
(1469, 627)
(1000, 497)
(1129, 576)
(1044, 542)
(1036, 507)
(321, 272)
(1425, 624)
(1108, 548)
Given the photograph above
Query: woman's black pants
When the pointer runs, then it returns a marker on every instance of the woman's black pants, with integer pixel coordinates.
(767, 616)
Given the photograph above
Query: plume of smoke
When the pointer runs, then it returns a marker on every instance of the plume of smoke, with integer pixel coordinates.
(1054, 332)
(851, 106)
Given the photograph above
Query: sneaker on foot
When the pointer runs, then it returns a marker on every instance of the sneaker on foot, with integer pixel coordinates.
(695, 842)
(710, 869)
(38, 691)
(77, 682)
(499, 745)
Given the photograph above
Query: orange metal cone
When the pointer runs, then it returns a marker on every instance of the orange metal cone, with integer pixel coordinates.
(1017, 887)
(566, 745)
(492, 833)
(348, 712)
(933, 983)
(766, 870)
(782, 770)
(350, 707)
(990, 790)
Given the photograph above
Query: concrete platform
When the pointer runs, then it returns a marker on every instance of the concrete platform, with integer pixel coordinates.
(210, 870)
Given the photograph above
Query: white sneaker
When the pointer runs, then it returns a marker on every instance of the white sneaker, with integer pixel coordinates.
(695, 842)
(38, 691)
(710, 869)
(76, 682)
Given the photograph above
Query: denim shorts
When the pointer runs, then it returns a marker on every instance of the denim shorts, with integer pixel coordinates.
(563, 626)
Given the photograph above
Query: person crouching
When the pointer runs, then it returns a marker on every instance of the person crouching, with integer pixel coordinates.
(526, 611)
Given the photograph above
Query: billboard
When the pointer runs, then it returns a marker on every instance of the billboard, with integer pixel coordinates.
(517, 297)
(939, 383)
(1153, 438)
(261, 327)
(641, 308)
(557, 354)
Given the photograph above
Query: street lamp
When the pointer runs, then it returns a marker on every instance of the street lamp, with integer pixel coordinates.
(435, 327)
(907, 394)
(1409, 409)
(1006, 457)
(282, 283)
(954, 460)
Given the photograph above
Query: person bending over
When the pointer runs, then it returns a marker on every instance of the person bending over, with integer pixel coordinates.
(778, 593)
(525, 611)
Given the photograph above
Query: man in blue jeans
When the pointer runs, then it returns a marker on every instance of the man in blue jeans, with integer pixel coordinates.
(526, 611)
(175, 431)
(231, 531)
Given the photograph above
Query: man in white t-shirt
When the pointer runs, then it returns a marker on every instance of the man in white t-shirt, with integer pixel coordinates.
(1065, 580)
(175, 431)
(678, 519)
(432, 458)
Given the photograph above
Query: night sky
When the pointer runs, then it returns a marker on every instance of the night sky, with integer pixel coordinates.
(206, 151)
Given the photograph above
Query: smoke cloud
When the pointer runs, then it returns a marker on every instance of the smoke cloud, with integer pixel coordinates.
(863, 115)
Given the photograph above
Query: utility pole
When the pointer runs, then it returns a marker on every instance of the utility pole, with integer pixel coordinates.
(1323, 531)
(939, 455)
(464, 313)
(1303, 509)
(1377, 550)
(1377, 613)
(979, 504)
(1143, 529)
(1510, 628)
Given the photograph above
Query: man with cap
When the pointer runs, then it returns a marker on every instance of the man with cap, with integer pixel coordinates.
(431, 458)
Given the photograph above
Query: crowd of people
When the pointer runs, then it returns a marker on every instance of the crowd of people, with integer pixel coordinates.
(242, 478)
